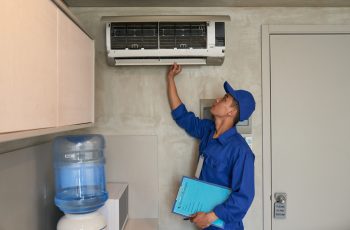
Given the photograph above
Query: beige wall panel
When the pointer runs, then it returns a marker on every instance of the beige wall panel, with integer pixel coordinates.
(28, 75)
(133, 159)
(76, 73)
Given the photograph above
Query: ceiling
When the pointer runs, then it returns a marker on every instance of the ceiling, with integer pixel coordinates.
(208, 3)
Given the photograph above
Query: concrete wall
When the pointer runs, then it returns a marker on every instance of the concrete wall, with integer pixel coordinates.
(26, 188)
(133, 100)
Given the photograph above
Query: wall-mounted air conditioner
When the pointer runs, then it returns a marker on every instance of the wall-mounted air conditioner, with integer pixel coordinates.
(163, 40)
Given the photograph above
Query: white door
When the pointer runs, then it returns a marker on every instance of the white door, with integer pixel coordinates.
(309, 130)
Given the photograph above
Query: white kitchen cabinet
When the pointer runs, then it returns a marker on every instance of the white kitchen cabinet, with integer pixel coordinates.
(28, 73)
(75, 74)
(47, 71)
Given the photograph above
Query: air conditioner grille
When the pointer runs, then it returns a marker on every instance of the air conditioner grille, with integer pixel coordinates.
(134, 35)
(183, 35)
(138, 35)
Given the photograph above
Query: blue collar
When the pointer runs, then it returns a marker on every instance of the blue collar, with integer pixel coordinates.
(226, 136)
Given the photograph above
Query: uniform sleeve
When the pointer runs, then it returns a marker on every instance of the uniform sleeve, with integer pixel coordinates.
(239, 201)
(194, 126)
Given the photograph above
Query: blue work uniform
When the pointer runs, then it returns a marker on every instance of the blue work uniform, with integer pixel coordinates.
(228, 161)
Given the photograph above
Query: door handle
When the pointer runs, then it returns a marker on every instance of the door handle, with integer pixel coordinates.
(280, 206)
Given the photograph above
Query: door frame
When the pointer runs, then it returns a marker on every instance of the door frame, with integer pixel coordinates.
(266, 32)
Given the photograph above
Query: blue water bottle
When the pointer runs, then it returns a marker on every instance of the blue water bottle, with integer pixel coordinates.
(79, 173)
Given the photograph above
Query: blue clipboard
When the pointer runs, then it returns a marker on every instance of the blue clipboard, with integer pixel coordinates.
(199, 196)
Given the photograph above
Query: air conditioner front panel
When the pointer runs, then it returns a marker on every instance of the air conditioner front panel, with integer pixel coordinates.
(165, 42)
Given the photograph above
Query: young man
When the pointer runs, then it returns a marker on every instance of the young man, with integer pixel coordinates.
(227, 159)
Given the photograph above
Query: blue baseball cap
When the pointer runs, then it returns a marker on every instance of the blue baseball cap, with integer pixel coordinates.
(245, 99)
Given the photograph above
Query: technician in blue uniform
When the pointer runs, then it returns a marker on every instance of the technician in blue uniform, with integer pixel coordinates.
(228, 160)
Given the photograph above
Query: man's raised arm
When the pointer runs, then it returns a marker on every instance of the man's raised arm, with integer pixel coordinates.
(174, 99)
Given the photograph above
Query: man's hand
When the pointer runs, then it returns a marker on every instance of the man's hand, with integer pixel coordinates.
(174, 70)
(202, 219)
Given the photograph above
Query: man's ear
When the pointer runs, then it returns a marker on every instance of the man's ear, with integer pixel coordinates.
(232, 112)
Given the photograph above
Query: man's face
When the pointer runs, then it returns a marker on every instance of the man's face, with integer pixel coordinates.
(224, 107)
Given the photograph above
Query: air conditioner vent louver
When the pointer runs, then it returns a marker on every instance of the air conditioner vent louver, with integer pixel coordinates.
(183, 35)
(134, 35)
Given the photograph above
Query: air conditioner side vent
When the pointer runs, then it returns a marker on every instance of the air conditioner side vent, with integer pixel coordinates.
(219, 34)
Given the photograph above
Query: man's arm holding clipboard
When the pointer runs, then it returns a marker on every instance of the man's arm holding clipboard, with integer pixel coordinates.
(196, 200)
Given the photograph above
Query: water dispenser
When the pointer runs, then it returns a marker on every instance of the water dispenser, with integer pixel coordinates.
(80, 180)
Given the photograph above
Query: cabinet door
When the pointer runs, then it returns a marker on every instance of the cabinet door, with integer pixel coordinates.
(76, 74)
(28, 72)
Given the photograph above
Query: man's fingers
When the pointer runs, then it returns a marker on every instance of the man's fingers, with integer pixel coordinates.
(178, 69)
(193, 216)
(173, 67)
